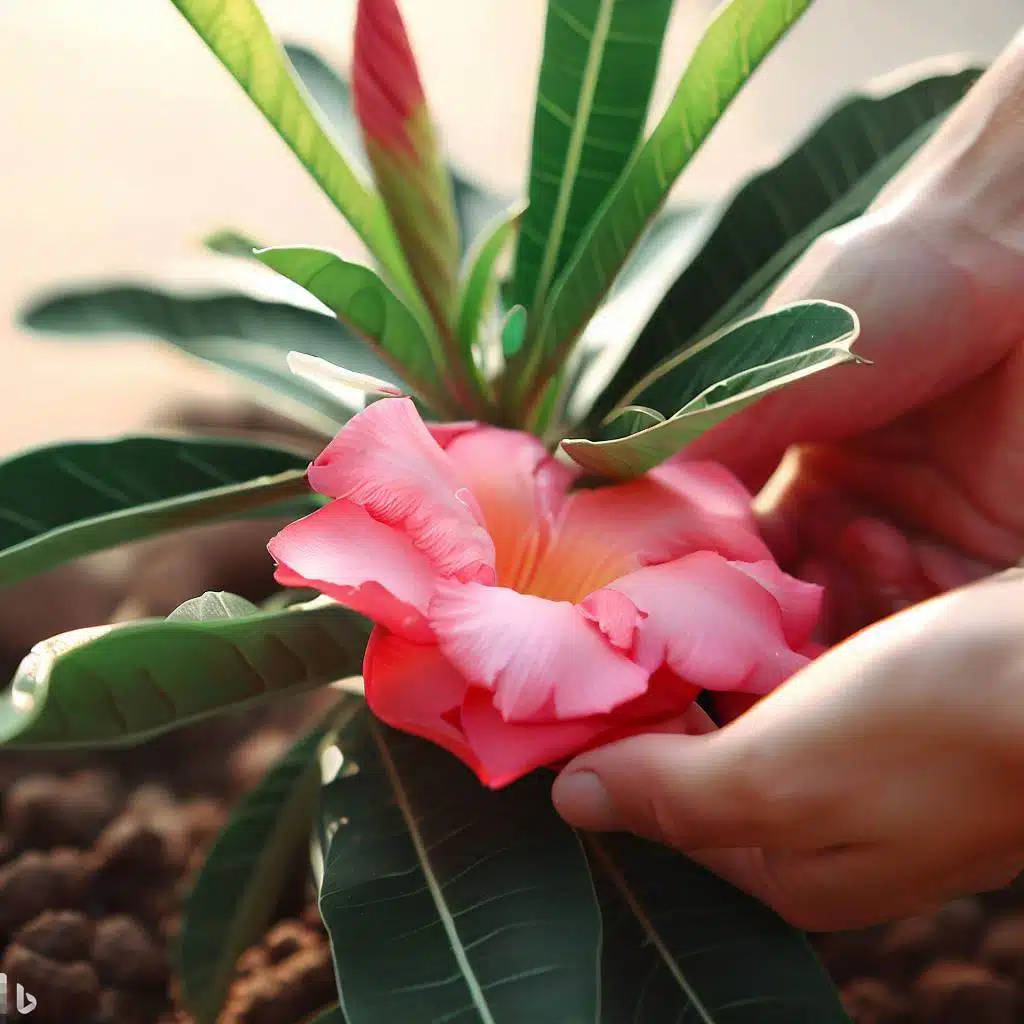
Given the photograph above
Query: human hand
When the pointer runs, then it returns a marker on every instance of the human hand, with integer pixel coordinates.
(909, 475)
(886, 775)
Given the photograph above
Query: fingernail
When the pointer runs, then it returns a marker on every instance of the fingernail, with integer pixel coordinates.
(582, 800)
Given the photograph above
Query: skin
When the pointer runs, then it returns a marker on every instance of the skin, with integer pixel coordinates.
(890, 484)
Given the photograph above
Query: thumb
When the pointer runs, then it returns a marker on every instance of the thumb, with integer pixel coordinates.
(689, 792)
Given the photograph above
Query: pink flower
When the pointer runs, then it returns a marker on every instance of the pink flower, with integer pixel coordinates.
(518, 622)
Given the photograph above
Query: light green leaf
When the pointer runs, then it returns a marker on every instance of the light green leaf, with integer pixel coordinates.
(475, 207)
(705, 384)
(831, 177)
(366, 304)
(118, 685)
(240, 883)
(238, 35)
(247, 336)
(214, 604)
(490, 911)
(682, 945)
(513, 331)
(68, 500)
(480, 285)
(742, 34)
(596, 79)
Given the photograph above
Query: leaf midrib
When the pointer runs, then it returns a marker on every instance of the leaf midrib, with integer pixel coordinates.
(433, 885)
(574, 153)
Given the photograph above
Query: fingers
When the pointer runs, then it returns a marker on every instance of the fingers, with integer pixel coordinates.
(690, 792)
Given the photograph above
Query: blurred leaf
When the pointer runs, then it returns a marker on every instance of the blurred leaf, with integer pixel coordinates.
(479, 292)
(666, 235)
(701, 386)
(335, 1015)
(830, 178)
(68, 500)
(742, 34)
(399, 139)
(596, 79)
(227, 242)
(118, 685)
(491, 915)
(241, 881)
(364, 302)
(475, 207)
(248, 336)
(682, 945)
(513, 331)
(239, 37)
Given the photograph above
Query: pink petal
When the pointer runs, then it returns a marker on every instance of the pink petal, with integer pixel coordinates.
(711, 486)
(800, 602)
(710, 622)
(539, 657)
(507, 751)
(445, 433)
(361, 563)
(520, 489)
(385, 460)
(609, 532)
(411, 687)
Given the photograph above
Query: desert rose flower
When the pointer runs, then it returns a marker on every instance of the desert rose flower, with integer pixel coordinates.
(519, 621)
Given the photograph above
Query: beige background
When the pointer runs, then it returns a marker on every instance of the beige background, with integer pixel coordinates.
(123, 142)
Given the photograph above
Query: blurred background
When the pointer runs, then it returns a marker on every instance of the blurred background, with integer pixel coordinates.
(123, 142)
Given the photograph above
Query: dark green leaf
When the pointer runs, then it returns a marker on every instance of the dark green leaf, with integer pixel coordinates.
(742, 34)
(596, 79)
(238, 35)
(706, 383)
(474, 206)
(118, 685)
(364, 302)
(446, 901)
(243, 876)
(682, 945)
(830, 178)
(248, 336)
(68, 500)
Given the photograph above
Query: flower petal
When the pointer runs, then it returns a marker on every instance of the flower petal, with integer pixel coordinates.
(385, 460)
(411, 687)
(506, 751)
(709, 621)
(361, 563)
(799, 601)
(607, 533)
(520, 489)
(542, 659)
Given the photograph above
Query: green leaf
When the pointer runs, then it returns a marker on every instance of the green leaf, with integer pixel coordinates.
(448, 901)
(513, 331)
(475, 207)
(682, 945)
(706, 383)
(238, 35)
(480, 285)
(68, 500)
(118, 685)
(596, 79)
(228, 242)
(214, 604)
(248, 336)
(246, 869)
(740, 37)
(831, 177)
(366, 304)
